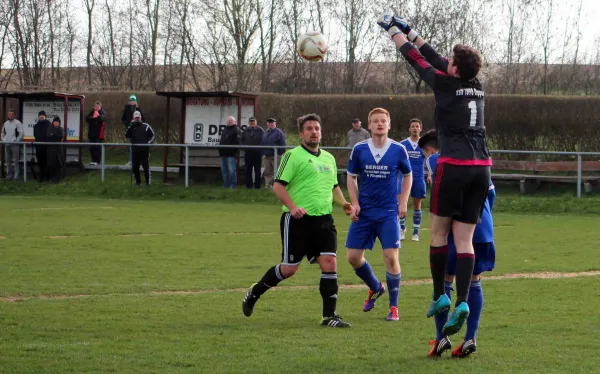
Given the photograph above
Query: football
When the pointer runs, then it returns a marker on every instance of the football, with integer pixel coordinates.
(312, 46)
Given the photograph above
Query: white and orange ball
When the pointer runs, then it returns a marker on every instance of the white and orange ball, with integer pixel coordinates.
(312, 46)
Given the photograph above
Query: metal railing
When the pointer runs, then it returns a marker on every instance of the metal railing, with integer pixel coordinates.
(187, 147)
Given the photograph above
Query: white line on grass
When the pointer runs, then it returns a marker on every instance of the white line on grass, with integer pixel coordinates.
(157, 234)
(410, 282)
(213, 233)
(65, 208)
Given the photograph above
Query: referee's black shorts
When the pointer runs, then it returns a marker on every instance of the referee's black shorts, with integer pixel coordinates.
(310, 236)
(460, 192)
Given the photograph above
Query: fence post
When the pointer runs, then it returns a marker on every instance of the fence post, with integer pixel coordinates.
(187, 166)
(102, 161)
(579, 176)
(24, 162)
(275, 162)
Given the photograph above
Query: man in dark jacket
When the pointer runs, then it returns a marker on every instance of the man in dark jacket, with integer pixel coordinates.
(55, 161)
(230, 136)
(40, 133)
(252, 135)
(96, 121)
(273, 136)
(140, 133)
(127, 117)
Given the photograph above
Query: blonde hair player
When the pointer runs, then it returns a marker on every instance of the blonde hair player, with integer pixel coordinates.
(377, 162)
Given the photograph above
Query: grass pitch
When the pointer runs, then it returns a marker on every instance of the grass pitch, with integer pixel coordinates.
(94, 286)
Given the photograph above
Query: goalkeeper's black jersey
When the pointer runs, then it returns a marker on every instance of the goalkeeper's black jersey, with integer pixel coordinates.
(458, 109)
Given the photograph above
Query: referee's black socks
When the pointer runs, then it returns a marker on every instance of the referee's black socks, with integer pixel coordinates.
(329, 288)
(438, 259)
(271, 279)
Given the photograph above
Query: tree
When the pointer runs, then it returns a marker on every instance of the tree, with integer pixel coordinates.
(89, 7)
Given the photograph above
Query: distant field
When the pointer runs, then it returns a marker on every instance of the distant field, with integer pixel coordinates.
(95, 286)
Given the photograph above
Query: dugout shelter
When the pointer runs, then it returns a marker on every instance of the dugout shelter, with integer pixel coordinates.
(203, 119)
(69, 107)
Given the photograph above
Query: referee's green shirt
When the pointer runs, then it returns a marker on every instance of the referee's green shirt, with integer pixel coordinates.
(309, 179)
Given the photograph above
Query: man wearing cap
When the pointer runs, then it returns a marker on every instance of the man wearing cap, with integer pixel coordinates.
(40, 134)
(357, 133)
(252, 135)
(272, 137)
(130, 108)
(140, 133)
(55, 162)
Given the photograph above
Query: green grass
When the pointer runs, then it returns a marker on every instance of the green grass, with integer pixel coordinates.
(120, 156)
(550, 199)
(116, 252)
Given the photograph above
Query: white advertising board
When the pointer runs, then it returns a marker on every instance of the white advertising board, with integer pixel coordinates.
(53, 108)
(206, 117)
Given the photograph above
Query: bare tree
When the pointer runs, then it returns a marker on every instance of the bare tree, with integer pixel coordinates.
(268, 18)
(544, 35)
(89, 7)
(153, 16)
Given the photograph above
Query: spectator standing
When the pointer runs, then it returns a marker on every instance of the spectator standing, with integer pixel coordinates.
(272, 137)
(96, 122)
(140, 133)
(40, 134)
(12, 131)
(252, 135)
(357, 133)
(55, 161)
(230, 136)
(127, 117)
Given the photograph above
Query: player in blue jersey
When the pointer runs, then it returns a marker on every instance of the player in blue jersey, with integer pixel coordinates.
(378, 161)
(485, 260)
(418, 190)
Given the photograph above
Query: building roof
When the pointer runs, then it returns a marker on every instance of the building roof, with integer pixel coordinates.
(39, 95)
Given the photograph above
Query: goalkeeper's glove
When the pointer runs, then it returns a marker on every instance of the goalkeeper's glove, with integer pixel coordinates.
(386, 22)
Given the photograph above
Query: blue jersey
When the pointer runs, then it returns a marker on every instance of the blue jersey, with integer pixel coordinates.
(484, 231)
(416, 156)
(378, 170)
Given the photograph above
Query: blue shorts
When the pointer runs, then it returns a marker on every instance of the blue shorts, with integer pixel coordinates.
(485, 257)
(419, 188)
(362, 234)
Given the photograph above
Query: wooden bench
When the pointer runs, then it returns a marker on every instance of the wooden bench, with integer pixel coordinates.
(531, 170)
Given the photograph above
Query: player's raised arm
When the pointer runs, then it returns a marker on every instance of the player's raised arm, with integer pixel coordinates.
(430, 54)
(396, 28)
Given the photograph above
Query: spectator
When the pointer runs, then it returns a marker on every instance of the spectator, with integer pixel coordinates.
(55, 161)
(127, 116)
(12, 131)
(96, 121)
(252, 135)
(140, 133)
(230, 136)
(40, 133)
(357, 133)
(272, 137)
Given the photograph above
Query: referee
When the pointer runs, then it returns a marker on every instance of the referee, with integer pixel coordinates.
(306, 184)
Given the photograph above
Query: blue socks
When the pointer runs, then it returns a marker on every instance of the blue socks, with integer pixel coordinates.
(403, 223)
(417, 221)
(442, 318)
(393, 284)
(365, 272)
(475, 302)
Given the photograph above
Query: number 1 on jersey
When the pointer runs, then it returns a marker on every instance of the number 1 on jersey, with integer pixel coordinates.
(473, 107)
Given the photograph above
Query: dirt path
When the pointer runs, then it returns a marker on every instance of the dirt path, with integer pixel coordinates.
(413, 282)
